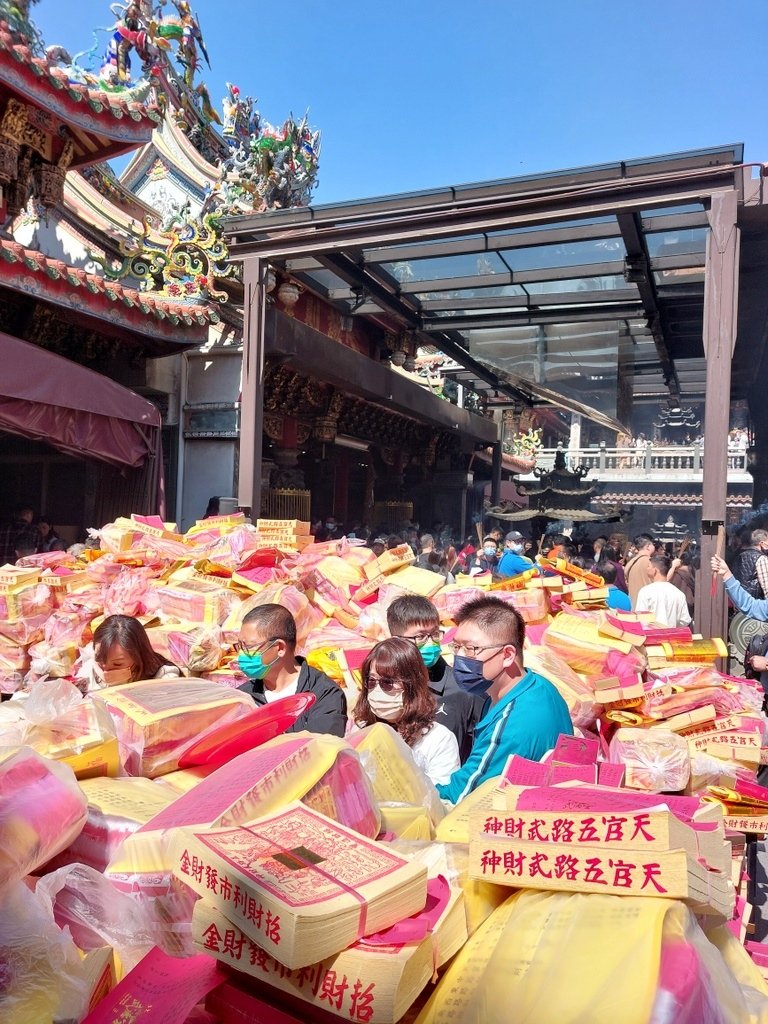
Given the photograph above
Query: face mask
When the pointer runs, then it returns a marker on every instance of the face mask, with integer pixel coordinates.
(517, 548)
(252, 665)
(387, 706)
(430, 653)
(117, 677)
(468, 673)
(330, 527)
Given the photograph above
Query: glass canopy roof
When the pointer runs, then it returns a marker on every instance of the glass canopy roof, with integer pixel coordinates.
(569, 288)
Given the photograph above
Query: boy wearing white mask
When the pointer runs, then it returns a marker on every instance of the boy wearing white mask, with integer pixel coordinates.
(525, 713)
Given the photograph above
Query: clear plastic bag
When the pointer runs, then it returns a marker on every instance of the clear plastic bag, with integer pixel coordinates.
(97, 914)
(41, 972)
(655, 760)
(42, 809)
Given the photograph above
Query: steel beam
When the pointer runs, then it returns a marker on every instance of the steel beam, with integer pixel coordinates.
(720, 315)
(252, 388)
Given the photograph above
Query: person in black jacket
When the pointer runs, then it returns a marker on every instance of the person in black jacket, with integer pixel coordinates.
(744, 566)
(416, 619)
(267, 656)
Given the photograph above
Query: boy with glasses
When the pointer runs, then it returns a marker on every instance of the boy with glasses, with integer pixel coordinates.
(266, 654)
(416, 619)
(525, 713)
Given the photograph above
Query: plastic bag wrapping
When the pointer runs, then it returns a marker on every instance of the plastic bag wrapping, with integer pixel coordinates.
(394, 775)
(306, 615)
(50, 699)
(51, 662)
(116, 809)
(452, 598)
(24, 631)
(84, 737)
(70, 624)
(158, 719)
(130, 593)
(42, 809)
(575, 958)
(31, 600)
(574, 636)
(196, 600)
(97, 914)
(711, 771)
(655, 760)
(191, 647)
(332, 636)
(40, 967)
(372, 623)
(577, 694)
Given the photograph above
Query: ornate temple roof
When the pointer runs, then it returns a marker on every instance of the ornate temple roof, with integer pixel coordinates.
(52, 280)
(102, 124)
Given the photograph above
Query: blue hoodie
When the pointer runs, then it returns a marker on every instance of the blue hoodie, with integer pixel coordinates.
(526, 721)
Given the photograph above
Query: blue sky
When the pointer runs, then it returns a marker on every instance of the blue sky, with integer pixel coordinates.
(423, 94)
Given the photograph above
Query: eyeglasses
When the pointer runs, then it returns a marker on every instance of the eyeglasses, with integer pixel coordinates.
(387, 685)
(242, 648)
(422, 638)
(472, 650)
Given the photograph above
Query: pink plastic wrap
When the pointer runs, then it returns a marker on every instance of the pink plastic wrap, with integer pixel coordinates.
(195, 650)
(130, 593)
(68, 626)
(97, 914)
(42, 809)
(577, 694)
(655, 760)
(24, 631)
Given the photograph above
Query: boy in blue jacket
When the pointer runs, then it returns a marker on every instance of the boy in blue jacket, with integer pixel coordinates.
(525, 713)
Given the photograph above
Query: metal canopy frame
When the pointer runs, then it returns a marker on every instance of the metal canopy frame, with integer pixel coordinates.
(528, 283)
(619, 244)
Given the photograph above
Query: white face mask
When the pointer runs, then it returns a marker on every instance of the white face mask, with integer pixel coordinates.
(386, 706)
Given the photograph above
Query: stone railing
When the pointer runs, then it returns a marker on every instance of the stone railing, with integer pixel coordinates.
(659, 462)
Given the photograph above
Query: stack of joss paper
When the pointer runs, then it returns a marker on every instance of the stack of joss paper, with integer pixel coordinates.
(597, 840)
(299, 885)
(283, 534)
(377, 978)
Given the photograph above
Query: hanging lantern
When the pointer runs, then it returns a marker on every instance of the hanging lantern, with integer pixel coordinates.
(271, 280)
(289, 293)
(410, 364)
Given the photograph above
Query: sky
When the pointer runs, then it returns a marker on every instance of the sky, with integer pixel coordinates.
(420, 95)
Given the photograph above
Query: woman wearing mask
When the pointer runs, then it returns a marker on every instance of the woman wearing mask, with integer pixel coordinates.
(123, 654)
(396, 691)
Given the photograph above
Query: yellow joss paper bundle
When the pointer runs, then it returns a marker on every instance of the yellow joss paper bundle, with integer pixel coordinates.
(158, 719)
(299, 885)
(394, 775)
(605, 959)
(321, 771)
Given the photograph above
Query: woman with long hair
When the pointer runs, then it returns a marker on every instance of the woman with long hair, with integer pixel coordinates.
(123, 653)
(396, 691)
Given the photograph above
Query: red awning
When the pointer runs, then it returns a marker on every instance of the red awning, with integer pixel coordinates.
(48, 398)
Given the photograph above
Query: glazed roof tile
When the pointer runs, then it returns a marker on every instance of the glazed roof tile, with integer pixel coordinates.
(42, 267)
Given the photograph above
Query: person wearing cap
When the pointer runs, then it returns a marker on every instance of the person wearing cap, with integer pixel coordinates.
(512, 561)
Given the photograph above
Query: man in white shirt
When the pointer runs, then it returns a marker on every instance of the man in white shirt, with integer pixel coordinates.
(662, 599)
